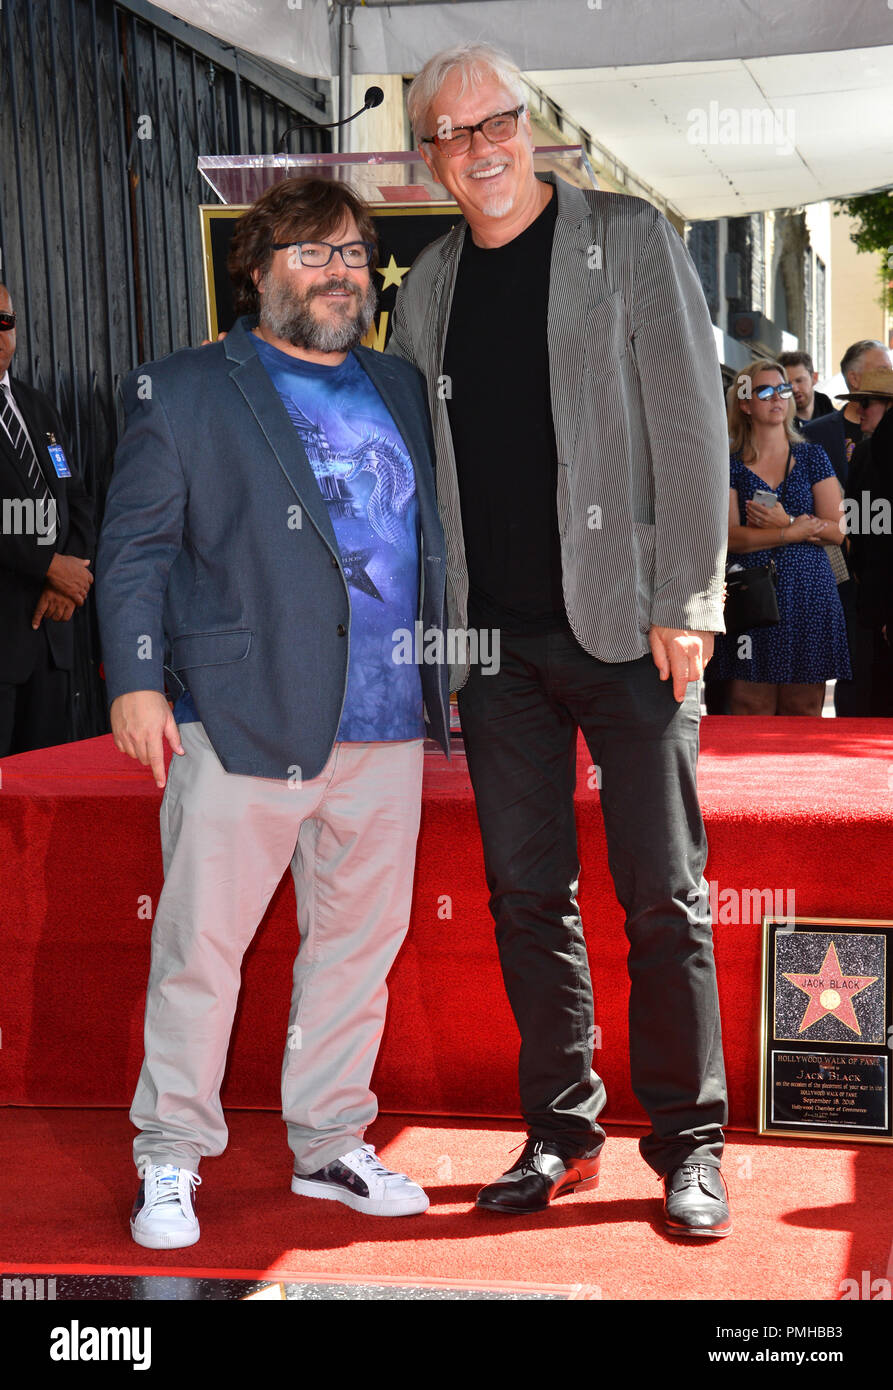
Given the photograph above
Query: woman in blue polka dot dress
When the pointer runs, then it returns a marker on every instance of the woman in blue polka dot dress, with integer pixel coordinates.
(783, 669)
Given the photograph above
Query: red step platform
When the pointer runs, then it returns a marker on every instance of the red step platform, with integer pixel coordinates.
(791, 805)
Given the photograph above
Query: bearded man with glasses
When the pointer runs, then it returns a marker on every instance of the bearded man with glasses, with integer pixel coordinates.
(270, 524)
(582, 477)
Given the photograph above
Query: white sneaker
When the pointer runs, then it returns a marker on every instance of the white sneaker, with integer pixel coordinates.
(360, 1181)
(163, 1217)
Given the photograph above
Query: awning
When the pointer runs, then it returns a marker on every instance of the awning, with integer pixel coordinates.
(723, 106)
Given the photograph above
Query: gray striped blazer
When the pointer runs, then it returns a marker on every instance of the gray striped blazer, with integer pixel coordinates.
(639, 416)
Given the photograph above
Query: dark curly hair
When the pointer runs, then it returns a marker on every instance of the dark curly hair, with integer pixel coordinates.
(302, 209)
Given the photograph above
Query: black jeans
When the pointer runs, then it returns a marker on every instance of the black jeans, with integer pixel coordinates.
(520, 727)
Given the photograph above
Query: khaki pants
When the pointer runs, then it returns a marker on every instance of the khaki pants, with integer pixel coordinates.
(349, 836)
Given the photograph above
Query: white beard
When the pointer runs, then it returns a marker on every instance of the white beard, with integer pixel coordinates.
(498, 207)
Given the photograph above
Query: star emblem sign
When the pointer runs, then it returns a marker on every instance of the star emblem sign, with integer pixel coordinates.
(830, 991)
(391, 274)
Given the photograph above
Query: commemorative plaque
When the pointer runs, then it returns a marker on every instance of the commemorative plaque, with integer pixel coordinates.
(827, 1029)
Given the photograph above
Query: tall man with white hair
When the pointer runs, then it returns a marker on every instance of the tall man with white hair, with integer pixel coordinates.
(582, 473)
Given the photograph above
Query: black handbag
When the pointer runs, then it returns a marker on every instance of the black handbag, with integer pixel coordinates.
(751, 600)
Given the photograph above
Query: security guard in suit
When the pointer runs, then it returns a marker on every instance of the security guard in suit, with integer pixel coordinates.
(47, 542)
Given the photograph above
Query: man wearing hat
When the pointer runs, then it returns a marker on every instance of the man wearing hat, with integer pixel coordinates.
(869, 520)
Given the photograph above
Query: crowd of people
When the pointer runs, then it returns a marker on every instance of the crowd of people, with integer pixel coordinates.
(810, 497)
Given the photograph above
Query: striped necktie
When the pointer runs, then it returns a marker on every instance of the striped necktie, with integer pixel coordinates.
(24, 451)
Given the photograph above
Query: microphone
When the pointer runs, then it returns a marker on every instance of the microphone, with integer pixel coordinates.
(374, 97)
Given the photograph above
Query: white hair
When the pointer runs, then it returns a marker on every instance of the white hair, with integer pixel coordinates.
(855, 354)
(475, 62)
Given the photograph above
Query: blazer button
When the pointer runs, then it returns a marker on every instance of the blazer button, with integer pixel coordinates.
(341, 629)
(334, 562)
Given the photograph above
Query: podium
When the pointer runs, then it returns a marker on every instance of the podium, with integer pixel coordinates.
(409, 208)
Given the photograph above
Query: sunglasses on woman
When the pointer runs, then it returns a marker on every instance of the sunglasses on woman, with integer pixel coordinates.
(7, 321)
(784, 390)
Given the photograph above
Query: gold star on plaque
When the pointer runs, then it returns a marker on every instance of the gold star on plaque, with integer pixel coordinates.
(391, 274)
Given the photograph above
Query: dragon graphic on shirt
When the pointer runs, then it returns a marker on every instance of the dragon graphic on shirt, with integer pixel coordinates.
(375, 453)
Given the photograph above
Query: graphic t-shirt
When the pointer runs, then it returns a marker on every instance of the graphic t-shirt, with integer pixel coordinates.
(366, 477)
(853, 432)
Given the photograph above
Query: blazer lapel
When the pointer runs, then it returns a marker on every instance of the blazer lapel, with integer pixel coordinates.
(378, 369)
(572, 288)
(39, 442)
(9, 455)
(442, 293)
(253, 380)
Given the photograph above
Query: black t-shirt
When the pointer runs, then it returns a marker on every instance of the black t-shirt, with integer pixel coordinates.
(497, 360)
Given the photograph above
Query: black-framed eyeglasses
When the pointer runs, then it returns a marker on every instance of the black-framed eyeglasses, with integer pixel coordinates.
(497, 129)
(7, 321)
(354, 254)
(784, 390)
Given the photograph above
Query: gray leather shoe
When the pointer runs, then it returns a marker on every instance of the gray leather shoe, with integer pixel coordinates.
(696, 1201)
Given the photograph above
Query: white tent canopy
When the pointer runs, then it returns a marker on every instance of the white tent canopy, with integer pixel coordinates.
(727, 137)
(723, 106)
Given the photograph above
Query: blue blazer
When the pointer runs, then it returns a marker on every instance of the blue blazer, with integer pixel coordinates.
(218, 562)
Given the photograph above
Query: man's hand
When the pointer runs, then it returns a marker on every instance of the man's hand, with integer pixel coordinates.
(141, 721)
(680, 654)
(52, 605)
(70, 576)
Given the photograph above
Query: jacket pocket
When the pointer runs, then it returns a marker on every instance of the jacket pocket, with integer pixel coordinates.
(606, 336)
(209, 648)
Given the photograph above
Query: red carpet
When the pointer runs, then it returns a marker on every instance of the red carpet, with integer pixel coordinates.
(790, 804)
(806, 1216)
